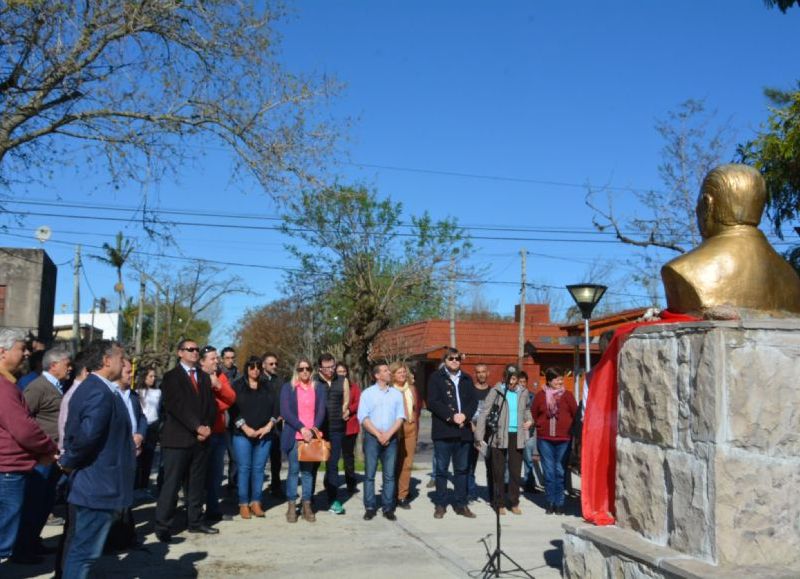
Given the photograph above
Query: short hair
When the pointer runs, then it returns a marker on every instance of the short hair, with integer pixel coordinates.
(326, 357)
(54, 355)
(552, 373)
(479, 364)
(98, 350)
(206, 350)
(182, 343)
(377, 365)
(268, 354)
(227, 349)
(79, 363)
(522, 374)
(739, 194)
(10, 336)
(450, 351)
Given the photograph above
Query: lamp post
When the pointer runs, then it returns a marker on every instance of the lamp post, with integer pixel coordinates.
(586, 296)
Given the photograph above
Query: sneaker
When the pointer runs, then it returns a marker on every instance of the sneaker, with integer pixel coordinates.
(336, 508)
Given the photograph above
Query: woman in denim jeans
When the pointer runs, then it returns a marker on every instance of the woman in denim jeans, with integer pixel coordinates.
(252, 418)
(553, 410)
(303, 410)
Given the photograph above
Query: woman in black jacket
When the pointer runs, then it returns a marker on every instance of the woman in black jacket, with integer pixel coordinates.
(252, 418)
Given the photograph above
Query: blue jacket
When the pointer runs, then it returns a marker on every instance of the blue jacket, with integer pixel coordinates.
(291, 422)
(98, 445)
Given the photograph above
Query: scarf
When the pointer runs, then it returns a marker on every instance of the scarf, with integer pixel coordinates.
(408, 400)
(552, 396)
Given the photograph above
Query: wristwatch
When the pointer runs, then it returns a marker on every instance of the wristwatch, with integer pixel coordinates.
(239, 423)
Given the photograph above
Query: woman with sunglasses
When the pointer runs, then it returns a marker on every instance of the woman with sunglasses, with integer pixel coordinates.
(303, 410)
(507, 439)
(252, 418)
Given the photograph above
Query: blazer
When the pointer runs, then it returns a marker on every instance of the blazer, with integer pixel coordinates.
(291, 422)
(443, 405)
(44, 402)
(184, 408)
(99, 447)
(138, 414)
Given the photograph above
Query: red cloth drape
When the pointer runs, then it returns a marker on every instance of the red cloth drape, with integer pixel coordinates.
(599, 440)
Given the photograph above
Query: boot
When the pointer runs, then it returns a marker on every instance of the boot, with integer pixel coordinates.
(244, 511)
(255, 508)
(291, 512)
(308, 512)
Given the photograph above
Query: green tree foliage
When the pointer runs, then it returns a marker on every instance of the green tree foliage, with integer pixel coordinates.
(775, 152)
(782, 5)
(116, 255)
(363, 269)
(137, 86)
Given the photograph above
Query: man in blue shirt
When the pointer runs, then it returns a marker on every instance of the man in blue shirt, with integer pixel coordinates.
(381, 413)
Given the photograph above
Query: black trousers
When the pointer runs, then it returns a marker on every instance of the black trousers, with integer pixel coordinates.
(178, 463)
(275, 465)
(513, 456)
(349, 455)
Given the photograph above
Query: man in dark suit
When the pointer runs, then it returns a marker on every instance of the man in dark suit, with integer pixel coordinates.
(99, 456)
(189, 411)
(452, 402)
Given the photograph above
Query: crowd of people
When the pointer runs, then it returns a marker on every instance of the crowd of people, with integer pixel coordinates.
(79, 429)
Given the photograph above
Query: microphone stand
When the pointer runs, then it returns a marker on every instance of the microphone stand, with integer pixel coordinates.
(492, 567)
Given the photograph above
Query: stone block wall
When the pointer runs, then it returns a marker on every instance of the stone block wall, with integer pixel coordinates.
(708, 448)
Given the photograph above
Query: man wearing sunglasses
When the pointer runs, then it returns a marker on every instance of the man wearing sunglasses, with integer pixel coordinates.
(269, 364)
(452, 402)
(189, 410)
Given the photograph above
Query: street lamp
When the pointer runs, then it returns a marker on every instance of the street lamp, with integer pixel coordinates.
(587, 296)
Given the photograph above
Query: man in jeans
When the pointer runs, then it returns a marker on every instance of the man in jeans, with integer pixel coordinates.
(23, 443)
(452, 402)
(99, 453)
(381, 414)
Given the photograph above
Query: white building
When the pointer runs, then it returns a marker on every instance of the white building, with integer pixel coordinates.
(108, 323)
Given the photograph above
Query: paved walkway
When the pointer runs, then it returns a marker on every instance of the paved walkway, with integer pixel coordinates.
(416, 545)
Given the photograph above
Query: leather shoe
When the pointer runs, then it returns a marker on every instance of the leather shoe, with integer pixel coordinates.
(404, 504)
(465, 512)
(369, 514)
(439, 512)
(389, 515)
(164, 536)
(549, 510)
(204, 529)
(217, 517)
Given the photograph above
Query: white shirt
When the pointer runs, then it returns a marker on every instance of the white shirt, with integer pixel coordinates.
(456, 378)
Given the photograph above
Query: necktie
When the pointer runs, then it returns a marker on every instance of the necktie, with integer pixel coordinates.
(194, 379)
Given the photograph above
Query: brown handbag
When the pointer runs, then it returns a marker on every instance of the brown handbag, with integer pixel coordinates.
(318, 450)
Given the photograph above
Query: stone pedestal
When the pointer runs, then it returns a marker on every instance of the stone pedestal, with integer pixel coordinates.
(708, 455)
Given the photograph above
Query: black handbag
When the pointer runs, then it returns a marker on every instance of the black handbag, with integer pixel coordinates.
(493, 418)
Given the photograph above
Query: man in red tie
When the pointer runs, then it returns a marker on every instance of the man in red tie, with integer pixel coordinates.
(189, 410)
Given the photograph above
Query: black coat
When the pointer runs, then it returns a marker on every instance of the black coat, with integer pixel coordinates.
(185, 409)
(443, 405)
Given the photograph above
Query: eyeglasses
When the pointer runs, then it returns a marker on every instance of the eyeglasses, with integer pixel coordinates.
(454, 358)
(190, 349)
(327, 367)
(272, 363)
(304, 368)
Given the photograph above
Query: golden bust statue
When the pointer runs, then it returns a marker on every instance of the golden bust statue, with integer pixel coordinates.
(735, 266)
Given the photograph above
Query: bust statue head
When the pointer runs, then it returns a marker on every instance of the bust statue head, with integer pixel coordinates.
(730, 195)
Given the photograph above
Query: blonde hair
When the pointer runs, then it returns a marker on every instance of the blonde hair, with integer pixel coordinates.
(395, 366)
(295, 375)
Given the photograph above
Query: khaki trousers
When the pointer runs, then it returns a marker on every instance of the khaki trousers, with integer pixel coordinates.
(407, 445)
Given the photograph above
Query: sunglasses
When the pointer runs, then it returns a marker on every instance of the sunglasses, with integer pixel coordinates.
(304, 368)
(190, 349)
(454, 358)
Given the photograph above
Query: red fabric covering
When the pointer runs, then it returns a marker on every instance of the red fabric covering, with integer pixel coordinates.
(599, 442)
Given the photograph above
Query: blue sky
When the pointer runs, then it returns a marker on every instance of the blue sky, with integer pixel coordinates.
(496, 113)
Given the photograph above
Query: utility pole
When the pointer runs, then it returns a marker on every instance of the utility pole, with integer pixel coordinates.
(140, 316)
(76, 303)
(452, 304)
(523, 291)
(91, 324)
(157, 299)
